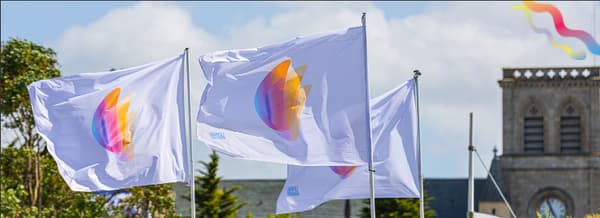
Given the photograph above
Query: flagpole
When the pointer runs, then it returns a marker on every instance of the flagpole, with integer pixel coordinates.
(368, 105)
(417, 73)
(471, 182)
(189, 128)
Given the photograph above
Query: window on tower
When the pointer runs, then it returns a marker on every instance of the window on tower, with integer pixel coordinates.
(570, 130)
(534, 131)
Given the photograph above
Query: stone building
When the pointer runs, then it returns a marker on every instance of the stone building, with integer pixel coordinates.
(551, 140)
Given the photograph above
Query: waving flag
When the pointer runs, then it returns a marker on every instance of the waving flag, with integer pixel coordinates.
(114, 130)
(300, 102)
(395, 159)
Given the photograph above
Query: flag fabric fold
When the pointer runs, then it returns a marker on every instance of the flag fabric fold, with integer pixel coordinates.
(300, 102)
(395, 157)
(114, 130)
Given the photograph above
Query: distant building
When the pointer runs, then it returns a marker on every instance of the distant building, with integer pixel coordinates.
(550, 161)
(450, 198)
(450, 195)
(551, 140)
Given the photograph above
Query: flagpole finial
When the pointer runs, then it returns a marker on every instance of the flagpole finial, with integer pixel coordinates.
(417, 73)
(363, 19)
(495, 152)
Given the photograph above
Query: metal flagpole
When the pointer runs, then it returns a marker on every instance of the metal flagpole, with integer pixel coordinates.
(368, 105)
(189, 127)
(417, 73)
(471, 187)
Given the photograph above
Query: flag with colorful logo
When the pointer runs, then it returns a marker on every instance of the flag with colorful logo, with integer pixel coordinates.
(113, 130)
(395, 160)
(299, 102)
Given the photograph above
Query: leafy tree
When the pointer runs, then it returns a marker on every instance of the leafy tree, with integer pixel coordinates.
(23, 62)
(285, 215)
(29, 181)
(30, 185)
(212, 201)
(57, 198)
(397, 207)
(595, 215)
(153, 199)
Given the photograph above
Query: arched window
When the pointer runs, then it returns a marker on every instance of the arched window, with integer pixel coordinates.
(534, 130)
(570, 130)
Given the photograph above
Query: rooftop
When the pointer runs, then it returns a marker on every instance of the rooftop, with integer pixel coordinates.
(551, 73)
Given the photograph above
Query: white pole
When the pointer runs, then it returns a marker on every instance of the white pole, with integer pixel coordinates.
(471, 187)
(189, 138)
(368, 105)
(422, 198)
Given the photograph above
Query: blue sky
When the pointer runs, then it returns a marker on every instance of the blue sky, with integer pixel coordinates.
(460, 47)
(43, 22)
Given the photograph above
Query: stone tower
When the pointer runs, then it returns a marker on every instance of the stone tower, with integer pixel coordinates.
(551, 140)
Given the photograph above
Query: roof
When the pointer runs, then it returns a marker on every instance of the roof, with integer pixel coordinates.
(262, 195)
(450, 196)
(488, 191)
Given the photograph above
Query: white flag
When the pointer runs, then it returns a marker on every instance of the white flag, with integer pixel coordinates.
(394, 120)
(115, 130)
(300, 102)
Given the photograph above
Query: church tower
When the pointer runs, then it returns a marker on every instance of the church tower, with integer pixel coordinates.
(551, 140)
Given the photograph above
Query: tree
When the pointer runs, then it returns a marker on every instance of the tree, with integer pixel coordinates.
(212, 201)
(23, 62)
(397, 207)
(30, 185)
(145, 200)
(57, 198)
(285, 215)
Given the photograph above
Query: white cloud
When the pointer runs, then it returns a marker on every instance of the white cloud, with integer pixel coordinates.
(460, 47)
(130, 36)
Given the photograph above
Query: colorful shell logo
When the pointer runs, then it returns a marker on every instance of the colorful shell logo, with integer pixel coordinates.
(343, 171)
(279, 99)
(111, 126)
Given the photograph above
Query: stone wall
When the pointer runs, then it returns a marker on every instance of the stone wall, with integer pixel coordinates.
(571, 178)
(496, 208)
(528, 178)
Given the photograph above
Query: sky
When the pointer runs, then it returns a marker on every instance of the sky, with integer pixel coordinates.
(460, 47)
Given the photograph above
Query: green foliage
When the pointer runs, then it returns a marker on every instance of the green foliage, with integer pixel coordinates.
(285, 215)
(212, 201)
(153, 199)
(397, 208)
(546, 214)
(30, 185)
(57, 199)
(539, 215)
(22, 62)
(594, 215)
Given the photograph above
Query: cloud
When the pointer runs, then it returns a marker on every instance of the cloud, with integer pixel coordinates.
(460, 47)
(129, 36)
